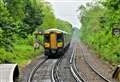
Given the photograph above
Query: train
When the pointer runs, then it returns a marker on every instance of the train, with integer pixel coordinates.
(55, 42)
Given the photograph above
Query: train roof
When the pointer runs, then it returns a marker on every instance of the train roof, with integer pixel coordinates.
(56, 30)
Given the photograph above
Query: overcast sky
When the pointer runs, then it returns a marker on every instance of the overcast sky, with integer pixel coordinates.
(67, 10)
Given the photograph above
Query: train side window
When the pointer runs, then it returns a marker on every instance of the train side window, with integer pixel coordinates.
(59, 37)
(46, 38)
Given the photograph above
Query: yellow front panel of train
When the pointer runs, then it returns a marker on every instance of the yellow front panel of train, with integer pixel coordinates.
(53, 40)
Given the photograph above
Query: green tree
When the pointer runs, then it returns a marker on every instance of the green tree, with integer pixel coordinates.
(49, 20)
(34, 16)
(64, 25)
(16, 9)
(6, 27)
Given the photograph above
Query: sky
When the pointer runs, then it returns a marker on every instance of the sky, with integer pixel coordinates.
(67, 10)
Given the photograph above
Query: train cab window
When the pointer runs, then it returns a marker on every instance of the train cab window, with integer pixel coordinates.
(47, 38)
(59, 37)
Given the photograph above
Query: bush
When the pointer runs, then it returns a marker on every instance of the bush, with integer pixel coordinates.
(6, 57)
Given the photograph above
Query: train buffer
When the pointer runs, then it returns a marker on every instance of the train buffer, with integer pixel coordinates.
(9, 72)
(116, 74)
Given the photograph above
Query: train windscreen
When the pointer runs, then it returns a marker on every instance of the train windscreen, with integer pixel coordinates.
(47, 38)
(59, 37)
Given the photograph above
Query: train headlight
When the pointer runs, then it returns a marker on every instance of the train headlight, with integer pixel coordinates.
(47, 45)
(47, 32)
(60, 44)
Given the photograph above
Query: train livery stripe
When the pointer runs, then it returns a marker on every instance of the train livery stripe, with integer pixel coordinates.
(53, 40)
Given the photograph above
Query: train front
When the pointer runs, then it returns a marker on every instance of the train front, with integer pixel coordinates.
(53, 43)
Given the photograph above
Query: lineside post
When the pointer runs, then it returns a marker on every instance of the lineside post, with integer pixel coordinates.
(116, 74)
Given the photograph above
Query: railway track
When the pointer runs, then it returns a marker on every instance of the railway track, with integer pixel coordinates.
(35, 69)
(47, 71)
(87, 72)
(55, 75)
(74, 70)
(77, 75)
(41, 72)
(106, 80)
(64, 69)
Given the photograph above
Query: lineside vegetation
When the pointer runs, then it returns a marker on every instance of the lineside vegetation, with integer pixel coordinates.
(19, 19)
(98, 18)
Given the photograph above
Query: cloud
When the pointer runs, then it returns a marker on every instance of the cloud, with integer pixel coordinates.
(67, 10)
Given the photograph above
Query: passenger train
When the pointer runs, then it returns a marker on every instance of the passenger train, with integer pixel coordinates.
(55, 42)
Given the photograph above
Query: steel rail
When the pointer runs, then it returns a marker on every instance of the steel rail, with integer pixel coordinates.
(35, 69)
(54, 74)
(105, 79)
(73, 68)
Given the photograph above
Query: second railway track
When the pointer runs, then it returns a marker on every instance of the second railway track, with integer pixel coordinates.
(74, 70)
(86, 71)
(63, 69)
(41, 72)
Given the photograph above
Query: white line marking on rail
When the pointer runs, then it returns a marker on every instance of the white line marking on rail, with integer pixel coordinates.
(77, 78)
(53, 80)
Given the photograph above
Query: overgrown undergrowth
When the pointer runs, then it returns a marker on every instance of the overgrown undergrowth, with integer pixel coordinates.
(21, 55)
(96, 31)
